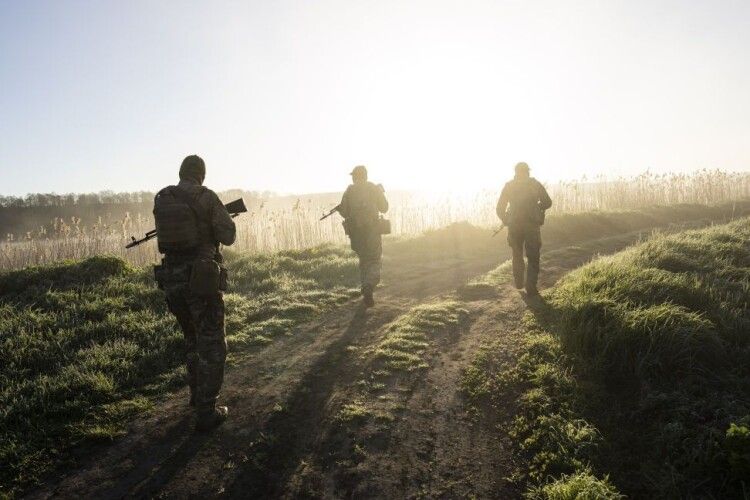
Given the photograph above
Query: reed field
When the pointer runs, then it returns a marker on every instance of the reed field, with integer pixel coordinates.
(295, 224)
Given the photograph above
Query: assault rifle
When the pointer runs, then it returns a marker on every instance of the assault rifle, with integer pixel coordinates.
(497, 231)
(234, 208)
(333, 211)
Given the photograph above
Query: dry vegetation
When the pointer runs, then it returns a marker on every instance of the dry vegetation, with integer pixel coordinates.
(296, 226)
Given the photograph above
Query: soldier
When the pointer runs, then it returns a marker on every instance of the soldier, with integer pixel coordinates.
(191, 222)
(521, 207)
(361, 206)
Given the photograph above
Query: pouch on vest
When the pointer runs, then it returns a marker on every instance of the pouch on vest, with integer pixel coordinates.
(160, 276)
(205, 277)
(167, 275)
(540, 218)
(384, 225)
(223, 278)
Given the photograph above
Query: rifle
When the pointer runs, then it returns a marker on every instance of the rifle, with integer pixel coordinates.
(333, 211)
(234, 208)
(502, 226)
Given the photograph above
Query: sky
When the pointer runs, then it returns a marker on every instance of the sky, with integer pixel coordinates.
(288, 96)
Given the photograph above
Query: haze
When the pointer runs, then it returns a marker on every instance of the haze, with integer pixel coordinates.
(288, 96)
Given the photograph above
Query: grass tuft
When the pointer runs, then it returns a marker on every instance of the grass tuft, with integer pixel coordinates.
(407, 338)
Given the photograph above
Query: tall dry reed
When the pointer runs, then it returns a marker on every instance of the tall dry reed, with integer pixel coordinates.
(297, 226)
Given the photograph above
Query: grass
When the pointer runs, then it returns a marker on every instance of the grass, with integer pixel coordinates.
(275, 292)
(663, 331)
(393, 364)
(633, 375)
(534, 399)
(406, 339)
(86, 346)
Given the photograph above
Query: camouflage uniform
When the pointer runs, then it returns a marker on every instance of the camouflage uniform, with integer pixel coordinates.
(201, 318)
(360, 206)
(521, 208)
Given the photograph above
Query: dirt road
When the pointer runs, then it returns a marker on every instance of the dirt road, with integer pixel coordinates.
(285, 437)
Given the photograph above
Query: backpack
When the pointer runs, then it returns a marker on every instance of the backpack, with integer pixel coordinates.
(178, 220)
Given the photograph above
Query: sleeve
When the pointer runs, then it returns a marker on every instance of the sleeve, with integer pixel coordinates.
(224, 229)
(382, 201)
(545, 201)
(502, 204)
(345, 206)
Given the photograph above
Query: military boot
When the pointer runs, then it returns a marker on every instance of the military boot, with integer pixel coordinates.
(211, 419)
(367, 298)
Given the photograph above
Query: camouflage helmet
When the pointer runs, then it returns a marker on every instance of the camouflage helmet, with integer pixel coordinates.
(359, 171)
(193, 167)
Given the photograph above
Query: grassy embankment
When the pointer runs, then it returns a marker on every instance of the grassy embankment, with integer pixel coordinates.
(85, 346)
(633, 374)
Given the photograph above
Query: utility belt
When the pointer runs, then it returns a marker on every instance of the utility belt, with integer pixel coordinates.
(381, 224)
(533, 217)
(204, 277)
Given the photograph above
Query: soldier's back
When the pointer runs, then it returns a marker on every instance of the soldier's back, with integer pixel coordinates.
(523, 200)
(181, 210)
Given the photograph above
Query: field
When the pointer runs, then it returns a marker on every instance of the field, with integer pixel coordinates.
(47, 228)
(414, 397)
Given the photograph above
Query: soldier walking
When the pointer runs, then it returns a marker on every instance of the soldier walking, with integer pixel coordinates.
(191, 223)
(521, 208)
(361, 206)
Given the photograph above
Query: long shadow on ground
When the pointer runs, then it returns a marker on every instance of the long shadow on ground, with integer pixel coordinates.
(291, 431)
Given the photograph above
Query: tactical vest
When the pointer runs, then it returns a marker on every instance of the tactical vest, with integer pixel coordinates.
(181, 223)
(524, 202)
(363, 206)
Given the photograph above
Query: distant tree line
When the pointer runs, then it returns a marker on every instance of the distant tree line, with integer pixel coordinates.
(72, 199)
(104, 198)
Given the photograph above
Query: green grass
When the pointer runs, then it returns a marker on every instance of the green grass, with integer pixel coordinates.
(393, 365)
(407, 338)
(86, 346)
(633, 374)
(661, 336)
(534, 398)
(579, 486)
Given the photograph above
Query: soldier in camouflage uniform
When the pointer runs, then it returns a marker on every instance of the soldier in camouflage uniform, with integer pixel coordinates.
(521, 208)
(200, 316)
(361, 206)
